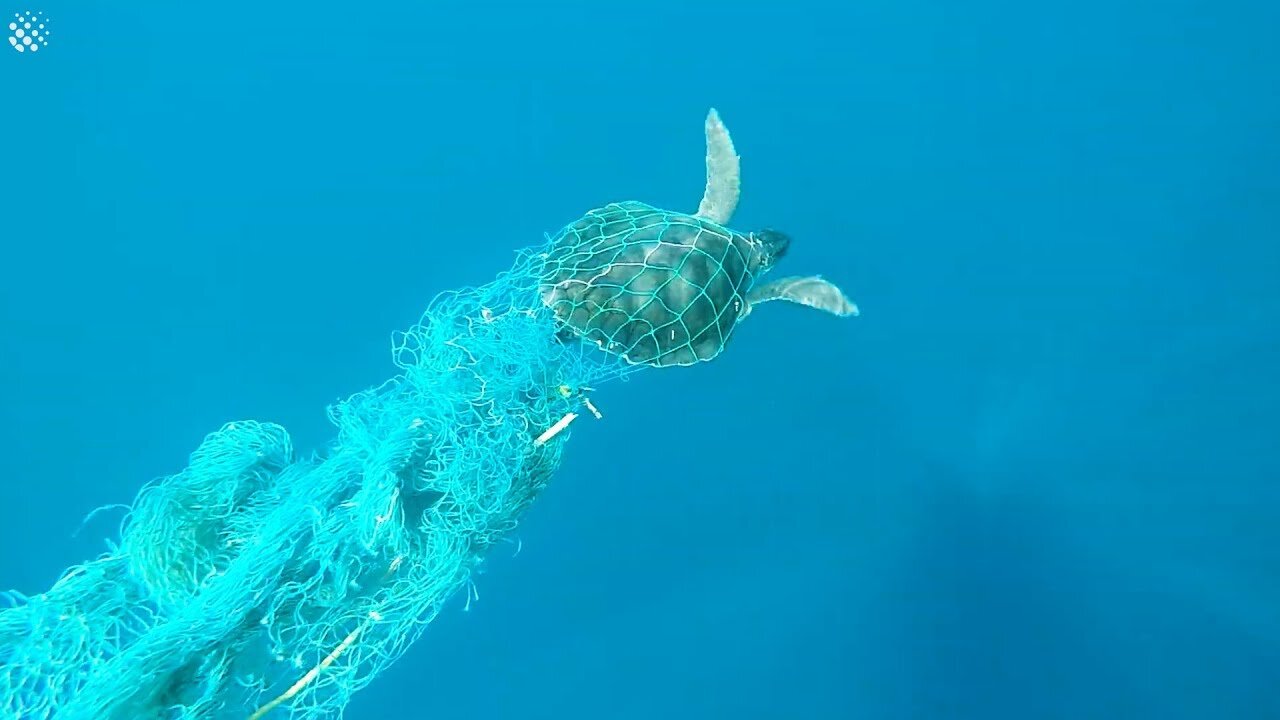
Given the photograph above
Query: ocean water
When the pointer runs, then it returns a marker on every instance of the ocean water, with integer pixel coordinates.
(1037, 478)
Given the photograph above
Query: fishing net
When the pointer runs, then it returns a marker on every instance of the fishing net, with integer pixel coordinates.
(260, 582)
(651, 286)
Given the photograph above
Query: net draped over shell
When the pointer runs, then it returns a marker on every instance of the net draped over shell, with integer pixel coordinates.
(652, 286)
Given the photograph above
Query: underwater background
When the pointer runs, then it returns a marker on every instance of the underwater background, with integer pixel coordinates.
(1037, 478)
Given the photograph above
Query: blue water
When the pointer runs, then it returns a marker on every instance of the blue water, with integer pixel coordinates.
(1038, 478)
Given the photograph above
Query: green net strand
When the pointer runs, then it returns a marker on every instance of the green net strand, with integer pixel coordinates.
(261, 583)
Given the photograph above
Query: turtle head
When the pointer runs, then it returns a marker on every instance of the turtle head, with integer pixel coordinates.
(773, 245)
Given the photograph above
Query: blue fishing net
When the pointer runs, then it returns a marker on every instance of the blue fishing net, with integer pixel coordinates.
(260, 582)
(652, 286)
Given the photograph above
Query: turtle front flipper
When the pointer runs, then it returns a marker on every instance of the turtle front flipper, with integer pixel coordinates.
(813, 291)
(724, 173)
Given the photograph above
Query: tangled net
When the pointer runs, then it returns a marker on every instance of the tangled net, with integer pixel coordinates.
(260, 583)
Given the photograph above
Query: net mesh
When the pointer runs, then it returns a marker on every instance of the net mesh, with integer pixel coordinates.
(258, 582)
(650, 286)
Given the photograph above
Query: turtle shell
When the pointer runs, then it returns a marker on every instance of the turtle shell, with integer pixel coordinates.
(655, 287)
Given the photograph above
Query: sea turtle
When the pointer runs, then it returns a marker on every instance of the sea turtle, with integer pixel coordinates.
(664, 288)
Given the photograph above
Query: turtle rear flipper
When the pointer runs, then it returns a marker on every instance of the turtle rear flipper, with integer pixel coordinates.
(813, 291)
